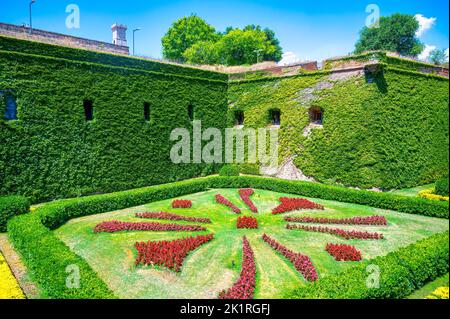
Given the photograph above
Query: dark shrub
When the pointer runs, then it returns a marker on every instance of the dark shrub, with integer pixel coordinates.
(229, 170)
(441, 187)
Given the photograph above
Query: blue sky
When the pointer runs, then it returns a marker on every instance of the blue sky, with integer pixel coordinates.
(310, 29)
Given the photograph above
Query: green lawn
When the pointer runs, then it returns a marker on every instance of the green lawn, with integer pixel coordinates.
(426, 290)
(414, 191)
(216, 265)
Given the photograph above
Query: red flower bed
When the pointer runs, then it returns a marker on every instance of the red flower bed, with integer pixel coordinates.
(346, 234)
(247, 222)
(181, 203)
(369, 220)
(171, 216)
(170, 254)
(290, 204)
(245, 196)
(244, 287)
(301, 262)
(116, 226)
(222, 200)
(342, 252)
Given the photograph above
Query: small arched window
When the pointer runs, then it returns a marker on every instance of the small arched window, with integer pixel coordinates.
(238, 118)
(275, 117)
(316, 115)
(191, 112)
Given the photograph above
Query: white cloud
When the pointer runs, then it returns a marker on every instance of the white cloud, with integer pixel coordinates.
(446, 55)
(426, 52)
(424, 23)
(290, 58)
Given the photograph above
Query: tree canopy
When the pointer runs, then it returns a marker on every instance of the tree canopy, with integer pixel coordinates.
(395, 33)
(192, 40)
(184, 33)
(438, 56)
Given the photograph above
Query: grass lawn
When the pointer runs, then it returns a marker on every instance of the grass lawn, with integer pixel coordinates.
(412, 191)
(430, 287)
(216, 265)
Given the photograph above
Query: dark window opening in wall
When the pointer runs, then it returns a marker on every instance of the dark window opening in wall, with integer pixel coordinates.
(191, 112)
(316, 115)
(147, 111)
(88, 110)
(238, 118)
(11, 106)
(275, 117)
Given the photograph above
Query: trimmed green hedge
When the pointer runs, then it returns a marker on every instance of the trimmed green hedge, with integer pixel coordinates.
(32, 236)
(441, 187)
(401, 272)
(11, 206)
(404, 204)
(229, 170)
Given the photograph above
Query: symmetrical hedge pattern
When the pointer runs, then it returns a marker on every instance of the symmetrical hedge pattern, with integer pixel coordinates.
(32, 236)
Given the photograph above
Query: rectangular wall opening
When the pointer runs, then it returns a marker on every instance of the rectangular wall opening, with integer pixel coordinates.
(88, 110)
(147, 111)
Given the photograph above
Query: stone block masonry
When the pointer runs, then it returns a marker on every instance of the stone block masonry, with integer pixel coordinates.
(60, 39)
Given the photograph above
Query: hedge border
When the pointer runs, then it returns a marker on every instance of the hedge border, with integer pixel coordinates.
(11, 206)
(31, 233)
(400, 273)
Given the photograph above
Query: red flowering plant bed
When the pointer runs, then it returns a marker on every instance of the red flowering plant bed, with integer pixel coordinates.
(301, 262)
(181, 203)
(117, 226)
(247, 222)
(343, 252)
(169, 254)
(346, 234)
(290, 204)
(222, 200)
(171, 216)
(368, 220)
(244, 287)
(245, 196)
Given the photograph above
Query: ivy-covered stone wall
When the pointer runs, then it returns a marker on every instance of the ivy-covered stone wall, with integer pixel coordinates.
(51, 151)
(386, 129)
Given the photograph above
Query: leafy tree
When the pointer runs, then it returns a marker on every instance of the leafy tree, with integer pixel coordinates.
(204, 52)
(184, 33)
(395, 33)
(235, 47)
(438, 57)
(277, 54)
(244, 47)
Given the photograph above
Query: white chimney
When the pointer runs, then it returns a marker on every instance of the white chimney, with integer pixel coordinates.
(119, 34)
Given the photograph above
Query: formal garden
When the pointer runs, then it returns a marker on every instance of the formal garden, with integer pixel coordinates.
(232, 237)
(116, 181)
